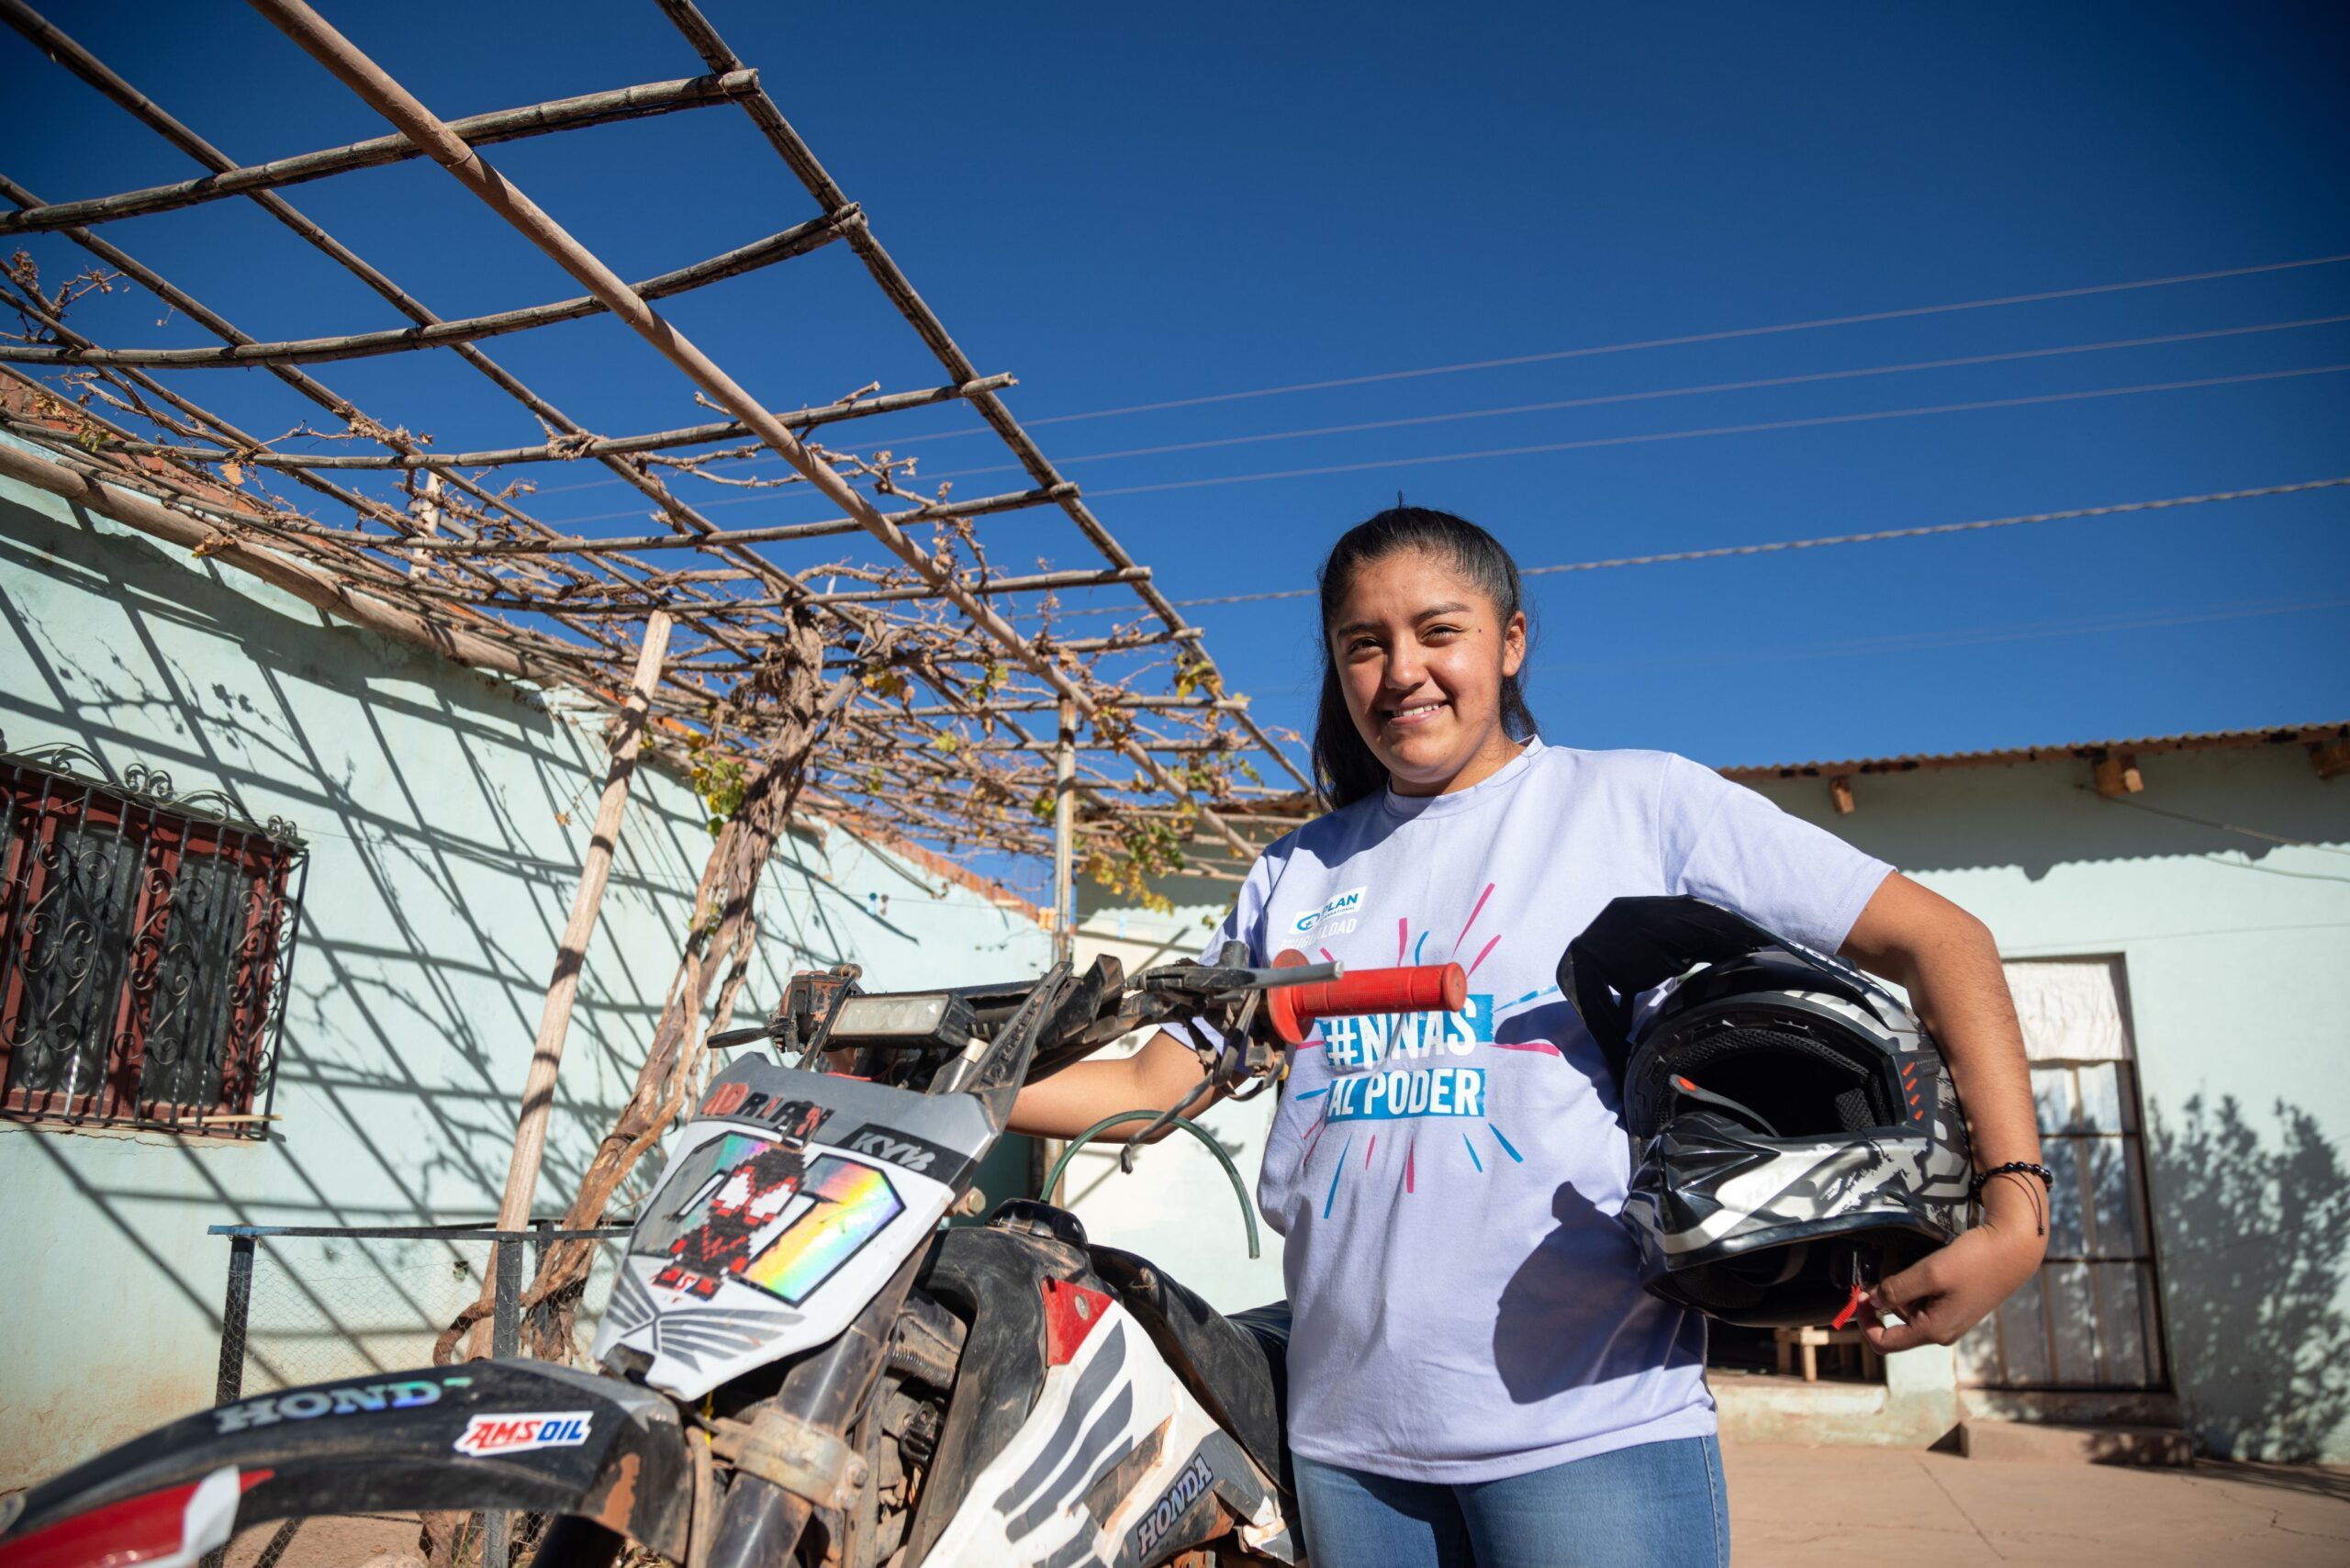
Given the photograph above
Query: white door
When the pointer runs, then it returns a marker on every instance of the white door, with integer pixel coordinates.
(2088, 1319)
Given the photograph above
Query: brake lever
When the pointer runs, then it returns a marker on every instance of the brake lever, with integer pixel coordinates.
(1224, 980)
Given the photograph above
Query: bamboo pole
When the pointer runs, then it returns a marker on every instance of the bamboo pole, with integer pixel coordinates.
(796, 241)
(1064, 834)
(1127, 701)
(480, 130)
(1122, 748)
(1034, 583)
(571, 956)
(544, 451)
(1038, 583)
(553, 544)
(1013, 500)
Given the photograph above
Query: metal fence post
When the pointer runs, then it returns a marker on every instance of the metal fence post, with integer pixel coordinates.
(540, 1317)
(234, 1312)
(505, 1339)
(505, 1322)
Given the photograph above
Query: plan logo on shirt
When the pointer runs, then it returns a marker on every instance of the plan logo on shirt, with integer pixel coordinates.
(1335, 918)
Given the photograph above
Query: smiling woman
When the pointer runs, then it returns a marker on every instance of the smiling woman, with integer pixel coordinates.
(1423, 640)
(1475, 1374)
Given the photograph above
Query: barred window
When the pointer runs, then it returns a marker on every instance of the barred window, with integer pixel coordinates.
(145, 946)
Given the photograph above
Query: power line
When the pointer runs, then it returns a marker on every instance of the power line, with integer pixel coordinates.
(1594, 442)
(1727, 334)
(1723, 336)
(1601, 399)
(1758, 427)
(1964, 637)
(1920, 532)
(2114, 509)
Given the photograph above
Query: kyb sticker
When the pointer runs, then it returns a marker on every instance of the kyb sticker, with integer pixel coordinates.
(903, 1149)
(1172, 1505)
(1335, 918)
(518, 1434)
(309, 1404)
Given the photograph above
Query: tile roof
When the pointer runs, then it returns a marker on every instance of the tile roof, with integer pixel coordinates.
(2084, 751)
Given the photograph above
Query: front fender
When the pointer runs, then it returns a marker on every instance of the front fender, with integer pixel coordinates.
(496, 1435)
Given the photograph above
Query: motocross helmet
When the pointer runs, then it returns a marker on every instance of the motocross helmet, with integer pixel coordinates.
(1795, 1136)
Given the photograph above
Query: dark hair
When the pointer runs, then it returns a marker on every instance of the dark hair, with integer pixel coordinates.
(1343, 763)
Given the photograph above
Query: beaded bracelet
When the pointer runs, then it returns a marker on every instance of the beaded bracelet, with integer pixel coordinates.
(2017, 1168)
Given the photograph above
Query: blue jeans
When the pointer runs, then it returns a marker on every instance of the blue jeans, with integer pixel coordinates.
(1655, 1506)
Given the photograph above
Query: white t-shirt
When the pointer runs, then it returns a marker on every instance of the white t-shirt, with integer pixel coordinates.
(1465, 1302)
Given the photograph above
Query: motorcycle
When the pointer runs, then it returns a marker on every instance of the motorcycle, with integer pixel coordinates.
(799, 1363)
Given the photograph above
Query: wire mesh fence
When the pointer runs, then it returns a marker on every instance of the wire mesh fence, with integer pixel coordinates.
(316, 1303)
(319, 1303)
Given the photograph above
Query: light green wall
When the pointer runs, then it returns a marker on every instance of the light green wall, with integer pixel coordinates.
(440, 878)
(2236, 950)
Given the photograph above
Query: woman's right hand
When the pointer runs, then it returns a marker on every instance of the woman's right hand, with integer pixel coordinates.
(1154, 1079)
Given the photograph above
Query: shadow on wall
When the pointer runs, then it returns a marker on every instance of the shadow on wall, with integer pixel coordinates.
(2255, 1237)
(436, 897)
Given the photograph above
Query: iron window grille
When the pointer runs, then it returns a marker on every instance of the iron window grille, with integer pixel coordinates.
(145, 944)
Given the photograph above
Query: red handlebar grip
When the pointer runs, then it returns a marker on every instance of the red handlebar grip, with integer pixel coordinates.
(1420, 988)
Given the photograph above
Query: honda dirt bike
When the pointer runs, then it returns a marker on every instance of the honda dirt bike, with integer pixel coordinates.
(799, 1366)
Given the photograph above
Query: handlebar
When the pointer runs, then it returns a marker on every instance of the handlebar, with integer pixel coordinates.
(1417, 987)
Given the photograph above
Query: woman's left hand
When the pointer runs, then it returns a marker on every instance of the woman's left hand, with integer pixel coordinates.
(1946, 959)
(1950, 1291)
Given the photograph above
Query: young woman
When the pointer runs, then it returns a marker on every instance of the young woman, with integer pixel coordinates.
(1475, 1376)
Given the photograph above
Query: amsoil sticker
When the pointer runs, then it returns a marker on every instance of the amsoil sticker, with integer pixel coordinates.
(516, 1434)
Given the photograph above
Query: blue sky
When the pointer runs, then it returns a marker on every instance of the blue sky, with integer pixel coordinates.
(1128, 206)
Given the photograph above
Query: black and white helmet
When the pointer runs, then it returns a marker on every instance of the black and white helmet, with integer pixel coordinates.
(1795, 1133)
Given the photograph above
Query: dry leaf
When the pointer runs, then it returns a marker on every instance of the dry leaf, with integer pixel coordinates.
(233, 472)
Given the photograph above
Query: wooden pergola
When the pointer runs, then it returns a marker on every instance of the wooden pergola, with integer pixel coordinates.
(874, 664)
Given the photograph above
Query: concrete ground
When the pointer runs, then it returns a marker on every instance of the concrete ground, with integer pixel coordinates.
(1802, 1507)
(1810, 1508)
